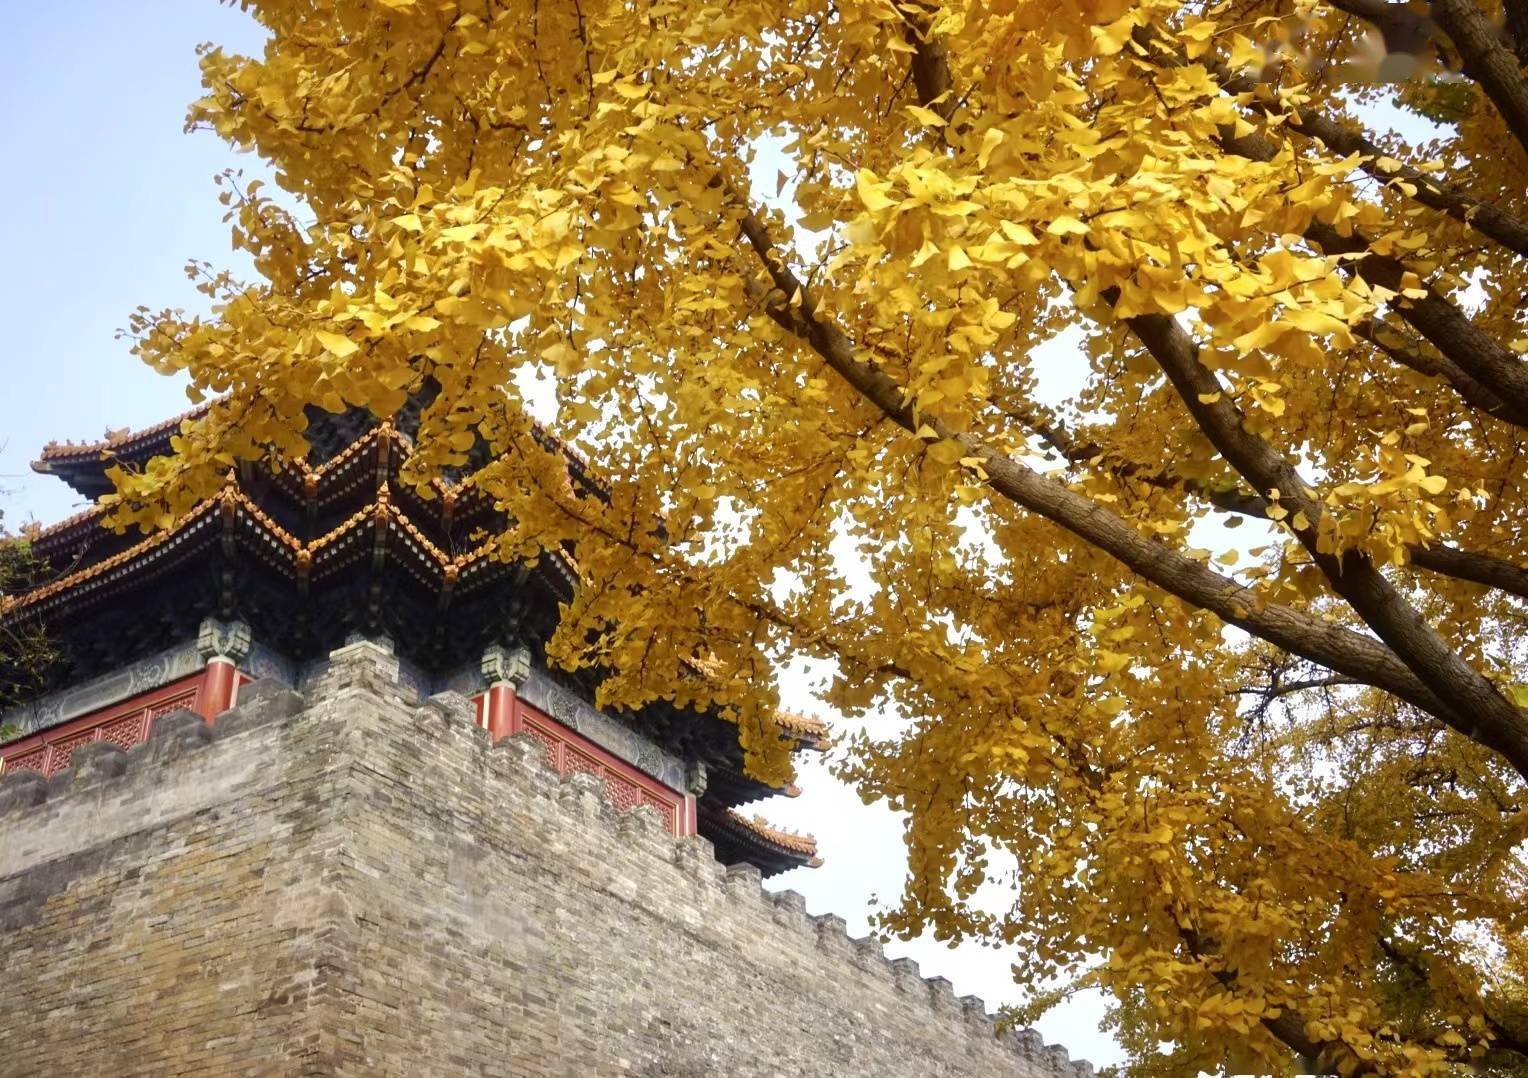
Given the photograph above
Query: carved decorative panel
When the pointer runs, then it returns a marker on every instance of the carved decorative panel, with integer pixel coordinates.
(622, 793)
(567, 751)
(63, 751)
(125, 724)
(184, 700)
(551, 743)
(30, 761)
(127, 731)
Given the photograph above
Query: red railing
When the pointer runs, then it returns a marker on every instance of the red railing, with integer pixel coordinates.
(127, 722)
(209, 692)
(504, 714)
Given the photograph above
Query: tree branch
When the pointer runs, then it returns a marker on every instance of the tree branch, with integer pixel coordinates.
(1487, 361)
(1404, 30)
(1487, 218)
(930, 64)
(1472, 392)
(1472, 566)
(1287, 1028)
(1516, 12)
(1441, 559)
(1477, 709)
(1281, 689)
(793, 307)
(1487, 61)
(1502, 1038)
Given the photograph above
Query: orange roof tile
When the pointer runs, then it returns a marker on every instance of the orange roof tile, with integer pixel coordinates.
(115, 440)
(72, 580)
(807, 726)
(233, 497)
(34, 532)
(233, 494)
(806, 845)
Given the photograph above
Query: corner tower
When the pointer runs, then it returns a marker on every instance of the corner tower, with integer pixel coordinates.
(303, 799)
(285, 565)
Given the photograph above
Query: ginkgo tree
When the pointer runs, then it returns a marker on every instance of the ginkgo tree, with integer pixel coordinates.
(792, 266)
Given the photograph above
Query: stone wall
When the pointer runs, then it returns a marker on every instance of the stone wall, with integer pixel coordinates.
(353, 882)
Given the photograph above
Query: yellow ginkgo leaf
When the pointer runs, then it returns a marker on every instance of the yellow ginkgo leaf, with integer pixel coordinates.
(334, 343)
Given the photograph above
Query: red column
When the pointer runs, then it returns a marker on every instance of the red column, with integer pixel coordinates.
(498, 709)
(505, 669)
(219, 689)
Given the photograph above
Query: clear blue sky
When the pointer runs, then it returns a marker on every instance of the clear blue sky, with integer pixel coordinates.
(107, 200)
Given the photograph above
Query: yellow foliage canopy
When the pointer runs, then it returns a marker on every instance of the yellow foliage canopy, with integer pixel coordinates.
(789, 267)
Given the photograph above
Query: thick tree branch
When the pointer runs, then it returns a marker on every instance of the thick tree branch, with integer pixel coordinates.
(1478, 710)
(1487, 218)
(1486, 360)
(1516, 12)
(1403, 29)
(1450, 561)
(1489, 363)
(1472, 392)
(1487, 61)
(1287, 1028)
(1502, 1038)
(930, 65)
(1342, 650)
(1088, 454)
(1475, 708)
(1472, 566)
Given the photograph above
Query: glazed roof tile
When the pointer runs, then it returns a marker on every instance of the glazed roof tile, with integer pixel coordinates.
(114, 442)
(36, 533)
(231, 498)
(808, 726)
(788, 841)
(106, 565)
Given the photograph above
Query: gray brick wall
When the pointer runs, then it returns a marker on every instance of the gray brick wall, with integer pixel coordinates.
(353, 882)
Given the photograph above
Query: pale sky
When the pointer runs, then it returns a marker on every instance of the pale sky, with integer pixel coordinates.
(108, 199)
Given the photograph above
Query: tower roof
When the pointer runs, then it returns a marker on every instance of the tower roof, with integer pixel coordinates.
(739, 837)
(312, 552)
(83, 464)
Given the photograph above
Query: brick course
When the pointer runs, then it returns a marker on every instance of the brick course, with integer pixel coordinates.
(353, 882)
